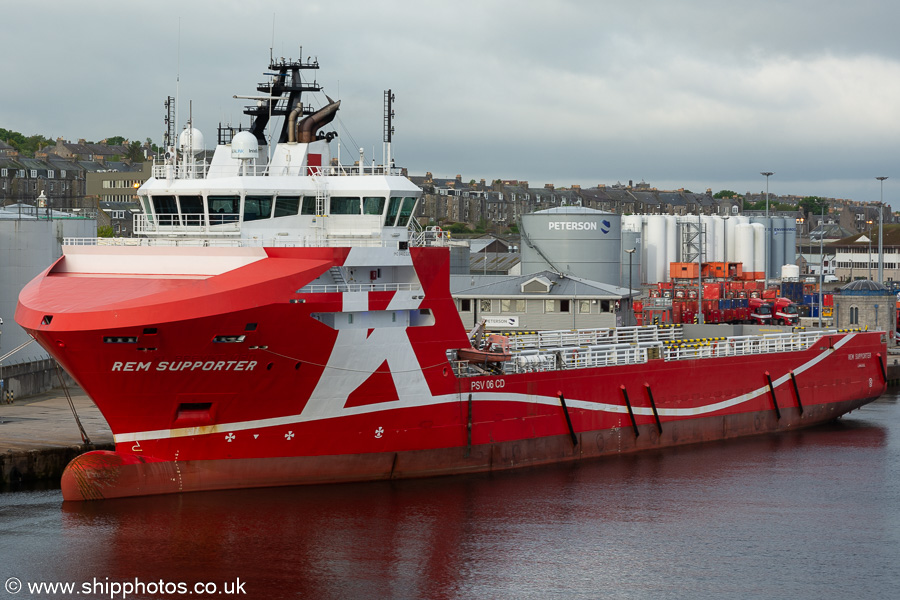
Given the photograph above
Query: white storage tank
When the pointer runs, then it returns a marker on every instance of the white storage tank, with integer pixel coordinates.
(630, 239)
(759, 250)
(744, 248)
(709, 239)
(656, 243)
(731, 224)
(575, 240)
(672, 242)
(790, 272)
(719, 223)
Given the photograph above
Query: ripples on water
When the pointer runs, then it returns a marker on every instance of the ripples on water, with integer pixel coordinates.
(811, 514)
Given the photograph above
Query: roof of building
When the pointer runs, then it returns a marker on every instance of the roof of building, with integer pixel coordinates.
(493, 261)
(482, 286)
(891, 237)
(865, 287)
(571, 210)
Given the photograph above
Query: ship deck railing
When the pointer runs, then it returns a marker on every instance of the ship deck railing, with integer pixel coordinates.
(359, 287)
(592, 337)
(202, 170)
(268, 242)
(586, 355)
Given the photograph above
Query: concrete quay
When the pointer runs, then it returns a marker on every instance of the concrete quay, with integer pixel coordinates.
(39, 435)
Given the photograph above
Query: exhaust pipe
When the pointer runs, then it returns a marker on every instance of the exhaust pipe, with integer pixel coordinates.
(305, 131)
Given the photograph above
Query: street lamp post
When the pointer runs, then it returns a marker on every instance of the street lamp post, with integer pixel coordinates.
(869, 261)
(630, 291)
(822, 267)
(766, 270)
(880, 236)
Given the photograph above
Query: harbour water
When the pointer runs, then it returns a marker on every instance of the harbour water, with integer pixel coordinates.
(805, 515)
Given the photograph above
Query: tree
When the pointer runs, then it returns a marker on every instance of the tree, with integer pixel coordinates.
(813, 205)
(105, 231)
(26, 146)
(725, 194)
(135, 152)
(116, 140)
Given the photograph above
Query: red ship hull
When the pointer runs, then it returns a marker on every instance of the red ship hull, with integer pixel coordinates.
(244, 377)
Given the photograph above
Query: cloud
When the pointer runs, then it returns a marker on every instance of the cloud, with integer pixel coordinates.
(682, 94)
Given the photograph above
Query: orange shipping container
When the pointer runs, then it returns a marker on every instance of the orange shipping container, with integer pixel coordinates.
(683, 270)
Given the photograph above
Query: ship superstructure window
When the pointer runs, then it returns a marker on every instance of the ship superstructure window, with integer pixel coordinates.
(257, 207)
(223, 209)
(192, 205)
(165, 205)
(373, 205)
(287, 206)
(393, 210)
(406, 212)
(345, 205)
(309, 205)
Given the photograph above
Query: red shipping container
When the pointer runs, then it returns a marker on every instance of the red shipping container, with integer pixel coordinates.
(638, 306)
(828, 299)
(770, 294)
(712, 290)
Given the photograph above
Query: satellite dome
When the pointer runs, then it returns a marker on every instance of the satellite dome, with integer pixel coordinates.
(191, 141)
(244, 146)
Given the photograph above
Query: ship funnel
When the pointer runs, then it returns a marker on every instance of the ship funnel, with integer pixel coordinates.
(305, 130)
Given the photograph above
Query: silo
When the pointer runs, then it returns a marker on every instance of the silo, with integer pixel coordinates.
(790, 242)
(730, 239)
(709, 238)
(645, 251)
(656, 249)
(759, 250)
(630, 239)
(719, 223)
(743, 247)
(574, 240)
(777, 246)
(765, 249)
(672, 240)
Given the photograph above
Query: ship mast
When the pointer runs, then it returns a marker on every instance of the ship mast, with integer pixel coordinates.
(286, 90)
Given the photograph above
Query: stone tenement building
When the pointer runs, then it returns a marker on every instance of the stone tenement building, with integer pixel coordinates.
(499, 204)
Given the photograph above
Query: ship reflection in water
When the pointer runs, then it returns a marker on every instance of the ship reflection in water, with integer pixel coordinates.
(805, 514)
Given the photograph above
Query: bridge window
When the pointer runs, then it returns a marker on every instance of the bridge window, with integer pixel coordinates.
(257, 207)
(191, 204)
(373, 205)
(406, 212)
(345, 205)
(309, 205)
(165, 205)
(287, 206)
(224, 204)
(223, 209)
(393, 209)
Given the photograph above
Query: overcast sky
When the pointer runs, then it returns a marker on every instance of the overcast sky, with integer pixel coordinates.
(695, 94)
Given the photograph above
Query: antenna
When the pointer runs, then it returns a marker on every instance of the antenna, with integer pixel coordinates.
(388, 126)
(177, 85)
